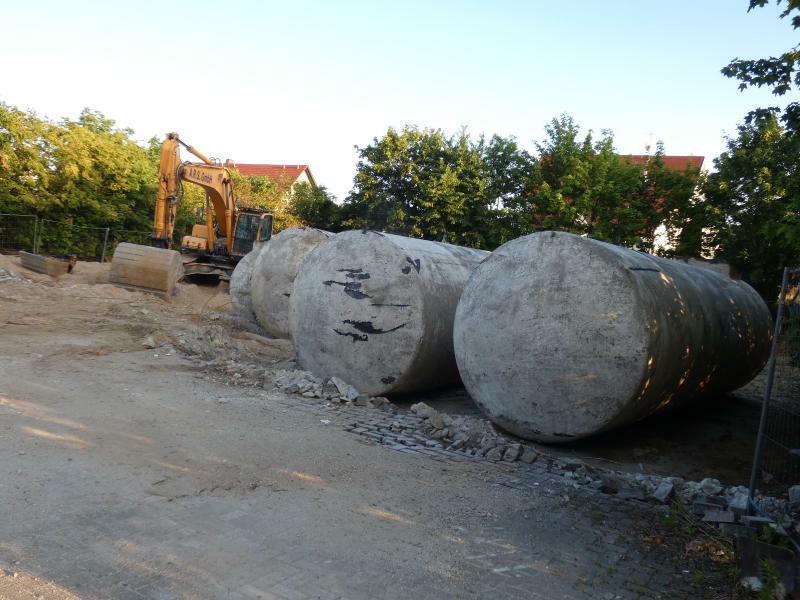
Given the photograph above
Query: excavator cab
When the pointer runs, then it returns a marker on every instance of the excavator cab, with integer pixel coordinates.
(251, 225)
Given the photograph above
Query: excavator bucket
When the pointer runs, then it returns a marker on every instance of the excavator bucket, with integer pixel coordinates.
(146, 268)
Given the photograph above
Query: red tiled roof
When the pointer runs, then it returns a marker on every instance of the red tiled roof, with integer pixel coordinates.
(676, 163)
(275, 172)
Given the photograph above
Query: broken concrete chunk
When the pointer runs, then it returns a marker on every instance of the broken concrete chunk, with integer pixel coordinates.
(663, 491)
(738, 503)
(529, 455)
(710, 487)
(794, 495)
(423, 410)
(341, 386)
(495, 453)
(512, 453)
(719, 516)
(436, 421)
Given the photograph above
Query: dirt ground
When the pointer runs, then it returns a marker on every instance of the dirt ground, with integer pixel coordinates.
(129, 470)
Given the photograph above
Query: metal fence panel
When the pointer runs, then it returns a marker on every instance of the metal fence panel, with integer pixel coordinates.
(776, 462)
(17, 232)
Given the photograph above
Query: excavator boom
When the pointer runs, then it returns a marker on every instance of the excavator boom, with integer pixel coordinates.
(213, 248)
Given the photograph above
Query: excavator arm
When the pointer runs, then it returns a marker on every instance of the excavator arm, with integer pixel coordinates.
(212, 250)
(213, 178)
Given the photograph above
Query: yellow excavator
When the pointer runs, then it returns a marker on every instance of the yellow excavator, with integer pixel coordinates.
(213, 248)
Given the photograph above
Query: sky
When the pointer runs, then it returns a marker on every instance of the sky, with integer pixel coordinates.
(308, 82)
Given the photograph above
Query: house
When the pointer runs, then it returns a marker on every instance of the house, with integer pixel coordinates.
(288, 174)
(675, 163)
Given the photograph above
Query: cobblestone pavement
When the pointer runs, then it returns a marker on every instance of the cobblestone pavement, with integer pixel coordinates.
(184, 488)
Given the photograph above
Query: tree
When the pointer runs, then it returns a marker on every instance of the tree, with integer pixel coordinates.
(87, 173)
(315, 207)
(781, 73)
(754, 195)
(583, 186)
(754, 198)
(422, 183)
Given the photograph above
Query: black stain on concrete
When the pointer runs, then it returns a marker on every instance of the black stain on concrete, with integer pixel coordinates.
(414, 263)
(355, 336)
(354, 273)
(388, 380)
(351, 288)
(397, 305)
(368, 327)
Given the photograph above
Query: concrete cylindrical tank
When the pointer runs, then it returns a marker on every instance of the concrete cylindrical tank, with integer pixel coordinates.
(559, 337)
(241, 284)
(377, 309)
(274, 272)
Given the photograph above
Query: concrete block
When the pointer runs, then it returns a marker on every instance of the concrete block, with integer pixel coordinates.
(719, 516)
(756, 522)
(663, 491)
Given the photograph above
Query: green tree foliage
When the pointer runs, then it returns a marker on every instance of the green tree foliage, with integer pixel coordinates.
(87, 173)
(483, 193)
(777, 72)
(753, 200)
(315, 207)
(583, 186)
(421, 183)
(780, 73)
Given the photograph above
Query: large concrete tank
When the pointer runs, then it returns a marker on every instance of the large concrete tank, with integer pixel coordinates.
(241, 284)
(377, 309)
(559, 337)
(273, 276)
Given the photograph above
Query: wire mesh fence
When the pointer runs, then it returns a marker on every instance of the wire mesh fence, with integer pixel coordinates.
(17, 232)
(776, 462)
(62, 238)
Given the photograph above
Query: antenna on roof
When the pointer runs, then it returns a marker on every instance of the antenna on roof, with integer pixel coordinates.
(648, 144)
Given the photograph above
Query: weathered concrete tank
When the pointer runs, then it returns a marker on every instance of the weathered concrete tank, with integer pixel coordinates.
(241, 284)
(377, 309)
(559, 337)
(274, 271)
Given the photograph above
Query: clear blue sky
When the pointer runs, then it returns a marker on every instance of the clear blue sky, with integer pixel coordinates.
(305, 82)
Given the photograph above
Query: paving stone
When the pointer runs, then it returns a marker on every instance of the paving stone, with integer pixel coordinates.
(719, 516)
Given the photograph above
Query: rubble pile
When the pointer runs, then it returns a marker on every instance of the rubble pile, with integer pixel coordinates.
(9, 275)
(333, 390)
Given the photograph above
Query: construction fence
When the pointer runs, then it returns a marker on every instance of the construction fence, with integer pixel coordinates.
(30, 233)
(776, 461)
